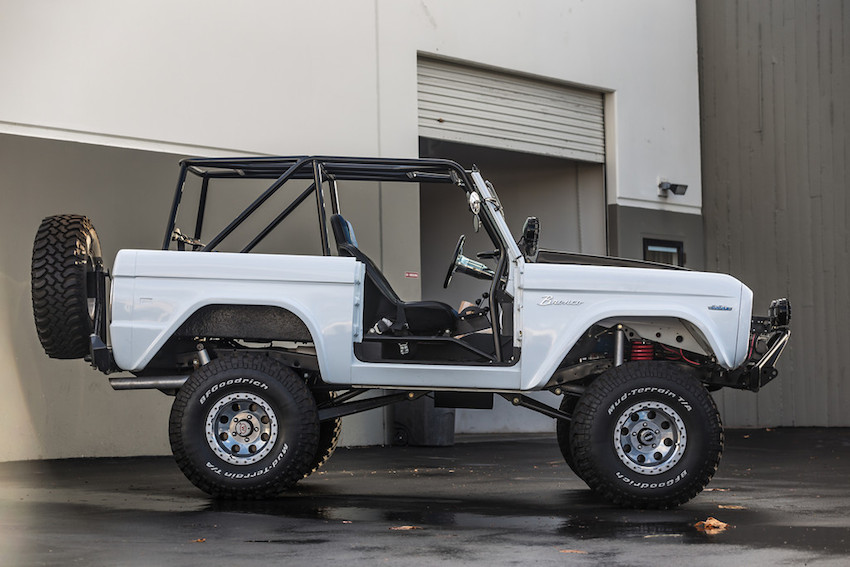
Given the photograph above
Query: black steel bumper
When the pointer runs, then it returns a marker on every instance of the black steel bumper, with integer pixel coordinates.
(760, 371)
(768, 338)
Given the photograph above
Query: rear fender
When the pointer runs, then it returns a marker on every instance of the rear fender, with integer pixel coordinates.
(156, 293)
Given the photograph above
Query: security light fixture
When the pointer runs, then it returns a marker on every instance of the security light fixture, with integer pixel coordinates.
(666, 187)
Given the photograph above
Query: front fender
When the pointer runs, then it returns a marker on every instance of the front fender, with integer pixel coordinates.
(560, 302)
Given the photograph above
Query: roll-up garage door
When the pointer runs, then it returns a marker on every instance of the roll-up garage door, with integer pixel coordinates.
(498, 110)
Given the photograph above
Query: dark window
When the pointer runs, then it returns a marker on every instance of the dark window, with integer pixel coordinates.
(664, 251)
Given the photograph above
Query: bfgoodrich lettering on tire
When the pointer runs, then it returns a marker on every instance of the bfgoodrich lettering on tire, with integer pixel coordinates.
(646, 434)
(244, 427)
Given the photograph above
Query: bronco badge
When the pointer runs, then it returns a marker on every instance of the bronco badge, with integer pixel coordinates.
(549, 300)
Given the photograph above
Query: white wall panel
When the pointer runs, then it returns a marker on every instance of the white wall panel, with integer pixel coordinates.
(259, 77)
(334, 76)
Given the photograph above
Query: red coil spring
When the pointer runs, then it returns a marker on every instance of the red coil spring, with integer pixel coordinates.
(642, 350)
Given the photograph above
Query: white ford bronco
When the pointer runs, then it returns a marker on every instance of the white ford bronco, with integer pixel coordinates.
(265, 353)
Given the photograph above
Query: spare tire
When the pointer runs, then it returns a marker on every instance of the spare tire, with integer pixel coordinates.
(65, 256)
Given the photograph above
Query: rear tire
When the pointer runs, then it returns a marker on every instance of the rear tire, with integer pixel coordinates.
(329, 432)
(244, 427)
(646, 435)
(66, 254)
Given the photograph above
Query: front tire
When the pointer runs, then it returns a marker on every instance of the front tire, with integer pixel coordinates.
(646, 435)
(244, 426)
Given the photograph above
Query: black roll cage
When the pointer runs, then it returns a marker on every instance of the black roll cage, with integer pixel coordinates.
(321, 169)
(316, 168)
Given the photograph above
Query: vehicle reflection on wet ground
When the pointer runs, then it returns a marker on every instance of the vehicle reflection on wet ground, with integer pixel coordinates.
(501, 499)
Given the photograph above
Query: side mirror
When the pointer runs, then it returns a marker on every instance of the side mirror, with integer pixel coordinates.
(530, 237)
(475, 208)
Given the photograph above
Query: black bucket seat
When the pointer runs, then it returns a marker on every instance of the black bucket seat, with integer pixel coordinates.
(383, 310)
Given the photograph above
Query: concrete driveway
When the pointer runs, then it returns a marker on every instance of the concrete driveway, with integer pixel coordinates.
(494, 499)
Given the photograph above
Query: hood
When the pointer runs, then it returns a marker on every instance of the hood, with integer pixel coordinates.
(559, 257)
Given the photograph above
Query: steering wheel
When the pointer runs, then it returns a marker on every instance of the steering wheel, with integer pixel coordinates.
(456, 256)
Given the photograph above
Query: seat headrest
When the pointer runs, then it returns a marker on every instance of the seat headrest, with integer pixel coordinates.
(343, 231)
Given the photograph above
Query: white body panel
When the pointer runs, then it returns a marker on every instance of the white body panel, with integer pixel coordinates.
(154, 292)
(560, 302)
(430, 376)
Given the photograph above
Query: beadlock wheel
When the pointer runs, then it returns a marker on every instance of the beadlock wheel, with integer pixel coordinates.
(650, 438)
(241, 428)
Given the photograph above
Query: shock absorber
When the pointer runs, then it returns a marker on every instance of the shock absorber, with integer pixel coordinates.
(642, 350)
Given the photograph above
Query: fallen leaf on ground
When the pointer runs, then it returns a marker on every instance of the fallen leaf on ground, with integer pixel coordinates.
(405, 528)
(716, 490)
(200, 540)
(711, 526)
(731, 507)
(571, 551)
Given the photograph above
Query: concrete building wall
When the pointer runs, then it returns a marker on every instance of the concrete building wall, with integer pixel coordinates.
(775, 91)
(60, 408)
(340, 76)
(163, 79)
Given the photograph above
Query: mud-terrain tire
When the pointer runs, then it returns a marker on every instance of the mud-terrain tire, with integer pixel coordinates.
(66, 251)
(562, 431)
(329, 432)
(646, 435)
(244, 427)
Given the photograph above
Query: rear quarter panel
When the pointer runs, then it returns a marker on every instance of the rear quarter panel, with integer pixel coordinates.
(154, 292)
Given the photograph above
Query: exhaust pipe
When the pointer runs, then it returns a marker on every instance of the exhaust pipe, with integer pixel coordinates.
(148, 382)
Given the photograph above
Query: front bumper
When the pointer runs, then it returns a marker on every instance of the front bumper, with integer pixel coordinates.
(768, 338)
(760, 368)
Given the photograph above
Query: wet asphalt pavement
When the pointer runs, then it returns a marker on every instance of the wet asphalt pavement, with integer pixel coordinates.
(502, 500)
